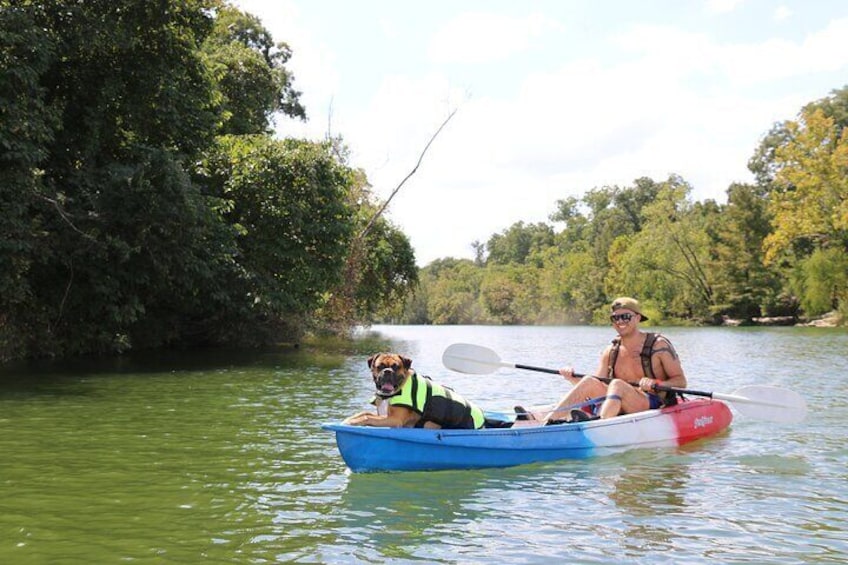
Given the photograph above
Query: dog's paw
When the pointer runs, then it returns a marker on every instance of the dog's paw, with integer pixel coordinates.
(357, 419)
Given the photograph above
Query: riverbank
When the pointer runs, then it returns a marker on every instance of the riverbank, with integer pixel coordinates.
(829, 320)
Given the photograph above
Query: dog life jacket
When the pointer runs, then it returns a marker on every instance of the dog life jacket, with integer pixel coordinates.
(667, 398)
(437, 404)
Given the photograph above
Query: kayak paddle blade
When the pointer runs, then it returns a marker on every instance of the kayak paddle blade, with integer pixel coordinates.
(471, 359)
(769, 403)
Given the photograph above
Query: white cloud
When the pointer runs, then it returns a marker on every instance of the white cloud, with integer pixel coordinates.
(480, 37)
(583, 125)
(775, 59)
(782, 13)
(649, 100)
(672, 54)
(389, 28)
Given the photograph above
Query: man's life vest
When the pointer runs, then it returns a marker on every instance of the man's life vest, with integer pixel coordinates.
(437, 404)
(668, 398)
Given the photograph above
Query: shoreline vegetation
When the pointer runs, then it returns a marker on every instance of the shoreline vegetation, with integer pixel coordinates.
(829, 320)
(149, 202)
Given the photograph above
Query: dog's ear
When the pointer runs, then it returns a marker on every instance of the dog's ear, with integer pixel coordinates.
(371, 360)
(407, 362)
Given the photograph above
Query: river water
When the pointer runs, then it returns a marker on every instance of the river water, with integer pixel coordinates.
(220, 458)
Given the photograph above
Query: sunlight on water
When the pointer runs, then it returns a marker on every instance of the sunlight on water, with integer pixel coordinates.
(220, 458)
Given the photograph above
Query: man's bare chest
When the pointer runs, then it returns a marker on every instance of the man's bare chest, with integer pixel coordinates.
(628, 364)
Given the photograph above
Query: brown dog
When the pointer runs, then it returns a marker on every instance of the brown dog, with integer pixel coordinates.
(412, 400)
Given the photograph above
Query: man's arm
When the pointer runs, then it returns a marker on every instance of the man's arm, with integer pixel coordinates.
(670, 362)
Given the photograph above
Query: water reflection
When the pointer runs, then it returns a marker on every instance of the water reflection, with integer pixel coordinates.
(647, 489)
(392, 515)
(398, 515)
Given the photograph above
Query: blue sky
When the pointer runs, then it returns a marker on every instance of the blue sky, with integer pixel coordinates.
(552, 98)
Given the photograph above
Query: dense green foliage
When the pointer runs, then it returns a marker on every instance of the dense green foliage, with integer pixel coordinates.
(144, 202)
(776, 248)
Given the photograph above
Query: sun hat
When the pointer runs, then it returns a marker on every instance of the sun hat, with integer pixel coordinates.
(628, 303)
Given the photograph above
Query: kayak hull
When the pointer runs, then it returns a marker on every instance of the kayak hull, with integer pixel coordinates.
(372, 449)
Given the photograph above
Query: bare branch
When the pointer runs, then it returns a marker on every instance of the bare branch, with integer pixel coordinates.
(63, 215)
(385, 205)
(329, 134)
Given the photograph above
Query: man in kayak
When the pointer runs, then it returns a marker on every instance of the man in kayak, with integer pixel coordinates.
(636, 362)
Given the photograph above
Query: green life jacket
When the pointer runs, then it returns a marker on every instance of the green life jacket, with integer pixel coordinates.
(668, 398)
(437, 404)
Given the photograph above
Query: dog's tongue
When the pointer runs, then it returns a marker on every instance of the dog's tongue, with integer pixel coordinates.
(387, 387)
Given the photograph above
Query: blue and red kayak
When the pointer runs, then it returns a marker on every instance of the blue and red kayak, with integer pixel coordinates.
(369, 449)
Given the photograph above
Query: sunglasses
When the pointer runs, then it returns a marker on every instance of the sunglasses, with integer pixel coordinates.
(621, 317)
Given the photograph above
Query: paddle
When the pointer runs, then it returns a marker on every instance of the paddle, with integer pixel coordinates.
(479, 360)
(762, 402)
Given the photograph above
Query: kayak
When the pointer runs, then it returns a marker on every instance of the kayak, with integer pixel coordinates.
(373, 449)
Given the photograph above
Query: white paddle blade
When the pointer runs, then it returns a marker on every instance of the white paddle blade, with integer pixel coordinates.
(471, 359)
(770, 403)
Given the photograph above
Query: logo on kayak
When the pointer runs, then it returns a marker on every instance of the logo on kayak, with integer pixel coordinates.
(703, 422)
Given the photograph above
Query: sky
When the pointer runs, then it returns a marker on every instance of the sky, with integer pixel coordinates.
(552, 98)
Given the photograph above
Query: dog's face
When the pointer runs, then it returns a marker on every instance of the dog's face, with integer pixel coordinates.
(389, 371)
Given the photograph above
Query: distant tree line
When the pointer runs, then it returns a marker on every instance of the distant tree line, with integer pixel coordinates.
(144, 201)
(778, 247)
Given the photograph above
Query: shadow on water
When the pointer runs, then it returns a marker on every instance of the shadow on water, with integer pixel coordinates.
(72, 376)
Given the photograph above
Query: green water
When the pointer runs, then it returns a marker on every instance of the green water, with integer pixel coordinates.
(219, 458)
(150, 462)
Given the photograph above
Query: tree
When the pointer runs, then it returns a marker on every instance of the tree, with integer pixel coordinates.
(578, 227)
(765, 164)
(821, 281)
(834, 106)
(388, 274)
(667, 262)
(518, 243)
(810, 199)
(479, 252)
(744, 286)
(499, 292)
(809, 204)
(453, 290)
(615, 212)
(809, 216)
(612, 215)
(510, 294)
(114, 115)
(570, 286)
(250, 73)
(288, 203)
(28, 128)
(127, 222)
